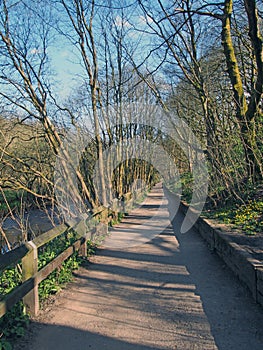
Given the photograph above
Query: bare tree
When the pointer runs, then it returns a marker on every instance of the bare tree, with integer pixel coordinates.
(25, 78)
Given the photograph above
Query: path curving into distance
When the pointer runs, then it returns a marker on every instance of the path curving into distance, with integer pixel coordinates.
(167, 293)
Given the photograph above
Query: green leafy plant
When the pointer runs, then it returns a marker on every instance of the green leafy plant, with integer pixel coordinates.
(5, 345)
(9, 279)
(54, 282)
(14, 323)
(250, 217)
(115, 218)
(185, 184)
(13, 198)
(247, 217)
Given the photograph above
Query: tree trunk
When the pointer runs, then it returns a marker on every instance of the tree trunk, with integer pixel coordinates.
(245, 113)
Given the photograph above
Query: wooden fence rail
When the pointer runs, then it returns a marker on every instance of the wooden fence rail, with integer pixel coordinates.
(28, 253)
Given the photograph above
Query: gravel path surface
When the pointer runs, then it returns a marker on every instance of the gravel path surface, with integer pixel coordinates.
(167, 293)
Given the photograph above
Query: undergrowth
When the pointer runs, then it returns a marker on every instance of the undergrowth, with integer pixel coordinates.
(247, 217)
(244, 212)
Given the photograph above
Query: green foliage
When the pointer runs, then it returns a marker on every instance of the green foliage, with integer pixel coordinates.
(59, 277)
(91, 248)
(185, 184)
(13, 324)
(15, 321)
(115, 218)
(247, 217)
(141, 197)
(5, 345)
(9, 279)
(52, 249)
(13, 198)
(53, 283)
(120, 216)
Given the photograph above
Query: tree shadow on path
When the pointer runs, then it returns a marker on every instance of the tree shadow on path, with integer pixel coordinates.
(59, 337)
(154, 294)
(235, 318)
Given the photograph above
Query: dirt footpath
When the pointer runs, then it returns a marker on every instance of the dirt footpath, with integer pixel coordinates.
(167, 293)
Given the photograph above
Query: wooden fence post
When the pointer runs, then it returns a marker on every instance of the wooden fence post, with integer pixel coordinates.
(83, 251)
(81, 230)
(29, 270)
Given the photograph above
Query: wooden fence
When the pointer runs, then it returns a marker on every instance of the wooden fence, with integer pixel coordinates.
(28, 254)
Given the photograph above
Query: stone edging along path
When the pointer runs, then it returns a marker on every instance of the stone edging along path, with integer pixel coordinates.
(248, 269)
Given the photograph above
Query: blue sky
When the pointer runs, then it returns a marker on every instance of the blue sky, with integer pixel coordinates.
(66, 59)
